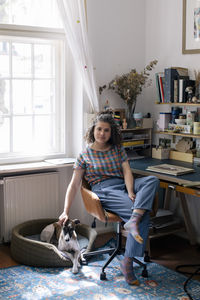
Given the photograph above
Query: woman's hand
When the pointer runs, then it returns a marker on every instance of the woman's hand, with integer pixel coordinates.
(132, 196)
(63, 218)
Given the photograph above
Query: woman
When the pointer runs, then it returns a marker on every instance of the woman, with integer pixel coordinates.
(105, 166)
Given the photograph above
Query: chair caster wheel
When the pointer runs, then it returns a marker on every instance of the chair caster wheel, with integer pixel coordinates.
(103, 276)
(145, 273)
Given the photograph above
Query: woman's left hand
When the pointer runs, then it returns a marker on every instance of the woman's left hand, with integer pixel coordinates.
(132, 196)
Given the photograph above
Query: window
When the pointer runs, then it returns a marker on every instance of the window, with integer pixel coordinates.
(31, 81)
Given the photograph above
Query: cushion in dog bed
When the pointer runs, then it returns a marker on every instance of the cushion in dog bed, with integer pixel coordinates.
(32, 252)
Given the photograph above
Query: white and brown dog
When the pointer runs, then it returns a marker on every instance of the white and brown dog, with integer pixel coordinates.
(66, 238)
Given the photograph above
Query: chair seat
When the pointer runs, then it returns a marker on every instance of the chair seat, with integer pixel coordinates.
(93, 206)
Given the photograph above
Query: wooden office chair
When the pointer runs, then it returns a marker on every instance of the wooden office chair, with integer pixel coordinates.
(93, 206)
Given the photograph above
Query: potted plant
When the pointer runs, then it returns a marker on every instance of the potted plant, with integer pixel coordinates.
(128, 86)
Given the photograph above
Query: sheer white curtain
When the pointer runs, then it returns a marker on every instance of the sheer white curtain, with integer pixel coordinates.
(74, 22)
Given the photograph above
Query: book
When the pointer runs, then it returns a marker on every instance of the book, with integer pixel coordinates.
(176, 92)
(161, 85)
(170, 169)
(181, 71)
(158, 88)
(170, 75)
(132, 143)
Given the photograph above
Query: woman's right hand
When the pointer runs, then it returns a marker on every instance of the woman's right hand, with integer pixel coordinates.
(63, 218)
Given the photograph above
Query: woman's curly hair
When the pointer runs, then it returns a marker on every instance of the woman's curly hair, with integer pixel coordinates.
(106, 116)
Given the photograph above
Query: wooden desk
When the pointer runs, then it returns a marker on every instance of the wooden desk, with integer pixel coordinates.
(173, 183)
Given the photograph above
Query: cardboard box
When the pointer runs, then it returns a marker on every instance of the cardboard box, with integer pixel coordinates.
(147, 123)
(182, 156)
(160, 153)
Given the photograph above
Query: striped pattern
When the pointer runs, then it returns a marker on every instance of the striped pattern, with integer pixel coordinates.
(101, 165)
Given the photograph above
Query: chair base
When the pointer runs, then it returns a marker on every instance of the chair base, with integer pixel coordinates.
(113, 252)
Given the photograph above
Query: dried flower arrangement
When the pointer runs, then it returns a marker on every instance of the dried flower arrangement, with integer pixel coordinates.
(128, 86)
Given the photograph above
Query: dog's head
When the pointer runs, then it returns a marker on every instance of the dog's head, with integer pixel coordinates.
(68, 229)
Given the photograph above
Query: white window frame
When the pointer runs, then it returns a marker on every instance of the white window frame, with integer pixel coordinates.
(22, 31)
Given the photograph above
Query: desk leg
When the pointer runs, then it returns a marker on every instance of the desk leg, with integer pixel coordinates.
(168, 194)
(186, 217)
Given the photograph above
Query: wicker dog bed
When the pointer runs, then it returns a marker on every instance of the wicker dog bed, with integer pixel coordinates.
(39, 254)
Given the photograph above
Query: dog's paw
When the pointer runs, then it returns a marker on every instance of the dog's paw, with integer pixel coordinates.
(75, 270)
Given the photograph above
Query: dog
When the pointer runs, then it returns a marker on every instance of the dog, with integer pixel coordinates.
(66, 239)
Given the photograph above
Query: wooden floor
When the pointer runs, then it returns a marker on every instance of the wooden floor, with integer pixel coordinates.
(172, 251)
(169, 251)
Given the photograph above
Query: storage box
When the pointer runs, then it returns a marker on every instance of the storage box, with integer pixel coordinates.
(147, 123)
(160, 153)
(164, 120)
(182, 156)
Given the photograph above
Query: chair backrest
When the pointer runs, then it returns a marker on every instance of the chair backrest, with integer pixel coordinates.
(93, 205)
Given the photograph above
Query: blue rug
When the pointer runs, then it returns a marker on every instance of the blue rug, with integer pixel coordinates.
(23, 282)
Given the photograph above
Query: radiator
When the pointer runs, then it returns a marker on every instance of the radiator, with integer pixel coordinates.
(27, 197)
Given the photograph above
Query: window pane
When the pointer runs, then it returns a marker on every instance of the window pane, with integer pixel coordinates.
(21, 59)
(4, 134)
(4, 58)
(42, 13)
(22, 134)
(4, 96)
(42, 96)
(22, 103)
(43, 134)
(31, 119)
(43, 61)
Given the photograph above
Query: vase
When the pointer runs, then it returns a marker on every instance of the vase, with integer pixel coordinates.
(131, 123)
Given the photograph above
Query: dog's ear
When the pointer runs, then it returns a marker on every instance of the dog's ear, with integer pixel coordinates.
(57, 228)
(76, 221)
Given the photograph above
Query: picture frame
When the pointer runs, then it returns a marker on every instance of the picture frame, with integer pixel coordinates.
(191, 27)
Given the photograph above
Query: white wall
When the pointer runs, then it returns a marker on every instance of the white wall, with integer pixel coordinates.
(116, 33)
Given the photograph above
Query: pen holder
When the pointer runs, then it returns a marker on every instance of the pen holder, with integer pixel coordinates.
(160, 153)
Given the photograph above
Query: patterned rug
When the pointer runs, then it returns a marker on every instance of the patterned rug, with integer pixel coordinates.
(23, 282)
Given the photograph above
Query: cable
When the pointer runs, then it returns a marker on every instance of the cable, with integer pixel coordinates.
(192, 274)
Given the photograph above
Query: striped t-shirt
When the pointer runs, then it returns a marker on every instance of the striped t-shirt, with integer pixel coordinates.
(101, 165)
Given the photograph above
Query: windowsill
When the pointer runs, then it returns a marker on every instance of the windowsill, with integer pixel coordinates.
(36, 166)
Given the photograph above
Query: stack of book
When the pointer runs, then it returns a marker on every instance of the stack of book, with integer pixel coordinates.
(163, 219)
(132, 143)
(171, 85)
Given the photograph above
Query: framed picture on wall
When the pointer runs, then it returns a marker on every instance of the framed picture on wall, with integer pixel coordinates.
(191, 27)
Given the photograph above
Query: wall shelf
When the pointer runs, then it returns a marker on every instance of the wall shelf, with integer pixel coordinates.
(180, 104)
(197, 136)
(138, 134)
